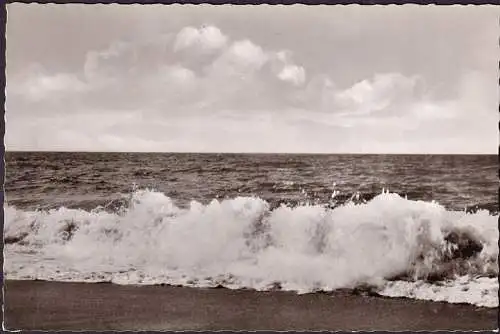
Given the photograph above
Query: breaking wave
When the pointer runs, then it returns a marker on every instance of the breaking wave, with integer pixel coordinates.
(390, 245)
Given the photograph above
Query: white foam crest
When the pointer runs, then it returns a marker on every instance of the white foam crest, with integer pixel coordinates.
(482, 291)
(241, 242)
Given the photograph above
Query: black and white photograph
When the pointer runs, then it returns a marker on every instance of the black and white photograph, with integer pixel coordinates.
(251, 167)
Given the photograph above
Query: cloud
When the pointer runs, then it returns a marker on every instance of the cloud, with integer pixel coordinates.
(241, 58)
(45, 87)
(294, 74)
(380, 93)
(199, 90)
(106, 64)
(206, 38)
(35, 85)
(197, 65)
(179, 74)
(286, 69)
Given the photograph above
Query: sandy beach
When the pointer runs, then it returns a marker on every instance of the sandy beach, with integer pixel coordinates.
(83, 306)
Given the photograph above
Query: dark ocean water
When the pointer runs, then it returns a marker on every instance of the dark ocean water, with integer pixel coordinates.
(86, 180)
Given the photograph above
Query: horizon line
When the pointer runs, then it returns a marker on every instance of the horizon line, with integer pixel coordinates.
(261, 153)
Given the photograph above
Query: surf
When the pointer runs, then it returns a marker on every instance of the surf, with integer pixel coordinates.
(393, 245)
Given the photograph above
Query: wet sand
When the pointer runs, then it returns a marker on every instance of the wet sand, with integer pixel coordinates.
(83, 306)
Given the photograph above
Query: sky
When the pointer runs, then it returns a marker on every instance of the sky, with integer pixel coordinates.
(288, 79)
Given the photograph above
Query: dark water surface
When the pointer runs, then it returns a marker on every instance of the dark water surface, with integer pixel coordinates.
(86, 180)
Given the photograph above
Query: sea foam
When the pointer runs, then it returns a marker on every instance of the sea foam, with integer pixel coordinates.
(394, 246)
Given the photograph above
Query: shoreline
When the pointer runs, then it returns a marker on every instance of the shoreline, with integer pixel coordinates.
(50, 305)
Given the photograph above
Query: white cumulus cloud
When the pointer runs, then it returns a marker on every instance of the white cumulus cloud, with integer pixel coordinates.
(38, 85)
(206, 38)
(294, 74)
(377, 94)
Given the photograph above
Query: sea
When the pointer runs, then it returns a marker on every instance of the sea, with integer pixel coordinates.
(414, 226)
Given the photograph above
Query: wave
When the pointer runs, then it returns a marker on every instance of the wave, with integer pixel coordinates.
(390, 244)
